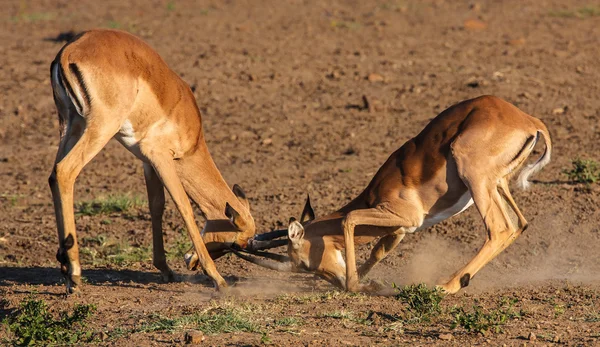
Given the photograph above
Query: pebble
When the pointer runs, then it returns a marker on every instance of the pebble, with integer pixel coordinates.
(194, 337)
(374, 77)
(445, 337)
(474, 24)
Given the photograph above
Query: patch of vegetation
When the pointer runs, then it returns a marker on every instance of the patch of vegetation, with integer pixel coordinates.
(101, 250)
(107, 205)
(214, 320)
(583, 12)
(423, 303)
(33, 324)
(182, 245)
(113, 24)
(352, 25)
(336, 314)
(584, 171)
(170, 6)
(481, 320)
(288, 322)
(319, 297)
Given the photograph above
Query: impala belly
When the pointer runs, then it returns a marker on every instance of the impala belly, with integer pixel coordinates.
(461, 204)
(126, 136)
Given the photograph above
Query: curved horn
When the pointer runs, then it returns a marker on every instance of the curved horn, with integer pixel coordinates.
(267, 263)
(271, 235)
(256, 245)
(278, 257)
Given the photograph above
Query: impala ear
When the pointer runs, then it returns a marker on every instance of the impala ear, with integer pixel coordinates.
(308, 213)
(295, 232)
(233, 215)
(239, 193)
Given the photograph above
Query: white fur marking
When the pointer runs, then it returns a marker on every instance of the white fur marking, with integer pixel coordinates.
(126, 136)
(462, 204)
(340, 259)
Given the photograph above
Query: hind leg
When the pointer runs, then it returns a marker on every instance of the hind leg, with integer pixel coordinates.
(156, 201)
(79, 145)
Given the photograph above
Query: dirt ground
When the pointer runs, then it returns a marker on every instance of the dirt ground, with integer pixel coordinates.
(289, 108)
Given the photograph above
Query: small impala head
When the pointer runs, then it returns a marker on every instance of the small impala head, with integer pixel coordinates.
(219, 235)
(298, 249)
(298, 259)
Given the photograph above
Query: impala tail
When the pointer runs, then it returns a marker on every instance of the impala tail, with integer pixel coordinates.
(527, 171)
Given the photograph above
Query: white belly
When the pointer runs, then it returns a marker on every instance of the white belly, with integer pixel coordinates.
(462, 204)
(126, 136)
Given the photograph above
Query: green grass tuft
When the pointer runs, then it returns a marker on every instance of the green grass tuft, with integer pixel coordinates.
(33, 324)
(583, 12)
(215, 320)
(423, 303)
(584, 171)
(481, 320)
(108, 205)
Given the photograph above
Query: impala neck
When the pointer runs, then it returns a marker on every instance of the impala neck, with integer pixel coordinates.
(204, 184)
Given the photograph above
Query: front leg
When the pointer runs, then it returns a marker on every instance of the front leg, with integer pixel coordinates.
(383, 247)
(381, 216)
(165, 170)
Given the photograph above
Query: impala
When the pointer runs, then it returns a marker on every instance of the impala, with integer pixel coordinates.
(465, 155)
(110, 84)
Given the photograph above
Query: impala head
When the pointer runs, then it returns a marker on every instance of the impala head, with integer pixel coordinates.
(298, 259)
(219, 235)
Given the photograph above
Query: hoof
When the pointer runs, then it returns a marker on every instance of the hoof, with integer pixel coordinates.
(73, 290)
(191, 260)
(168, 276)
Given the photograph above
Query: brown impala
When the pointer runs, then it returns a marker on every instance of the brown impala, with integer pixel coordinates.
(466, 155)
(109, 84)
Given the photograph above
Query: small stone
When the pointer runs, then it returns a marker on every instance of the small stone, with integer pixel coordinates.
(476, 7)
(473, 82)
(374, 77)
(445, 337)
(560, 110)
(267, 142)
(579, 69)
(517, 42)
(194, 337)
(474, 25)
(531, 337)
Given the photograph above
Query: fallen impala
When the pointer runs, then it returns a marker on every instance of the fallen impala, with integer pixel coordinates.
(465, 155)
(110, 84)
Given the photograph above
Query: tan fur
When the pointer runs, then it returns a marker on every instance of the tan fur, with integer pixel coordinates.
(471, 148)
(109, 83)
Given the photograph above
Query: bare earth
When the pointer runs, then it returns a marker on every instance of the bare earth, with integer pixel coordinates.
(289, 108)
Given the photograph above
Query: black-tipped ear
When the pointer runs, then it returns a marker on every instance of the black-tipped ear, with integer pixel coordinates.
(295, 232)
(232, 214)
(241, 195)
(308, 213)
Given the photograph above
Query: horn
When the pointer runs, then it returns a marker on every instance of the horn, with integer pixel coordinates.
(271, 235)
(256, 245)
(279, 257)
(267, 263)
